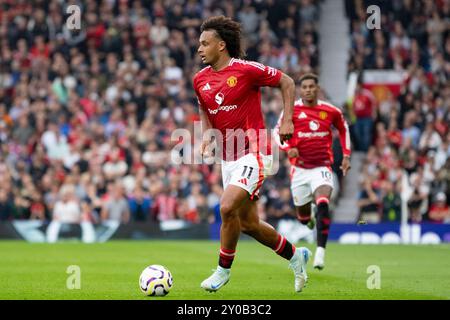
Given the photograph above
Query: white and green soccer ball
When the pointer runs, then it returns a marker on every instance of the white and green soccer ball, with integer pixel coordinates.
(155, 280)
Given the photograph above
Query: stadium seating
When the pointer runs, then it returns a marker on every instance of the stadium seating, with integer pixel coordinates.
(95, 107)
(410, 131)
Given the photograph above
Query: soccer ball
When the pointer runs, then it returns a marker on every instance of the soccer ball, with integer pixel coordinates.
(155, 280)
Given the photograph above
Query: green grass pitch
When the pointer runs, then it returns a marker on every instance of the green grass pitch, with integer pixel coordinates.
(111, 271)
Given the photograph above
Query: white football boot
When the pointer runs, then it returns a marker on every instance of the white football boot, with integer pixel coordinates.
(319, 258)
(298, 265)
(217, 280)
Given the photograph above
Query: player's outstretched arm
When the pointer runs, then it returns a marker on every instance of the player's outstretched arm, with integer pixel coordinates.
(344, 137)
(287, 87)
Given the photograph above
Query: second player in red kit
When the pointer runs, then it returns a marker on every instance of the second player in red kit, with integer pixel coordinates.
(311, 157)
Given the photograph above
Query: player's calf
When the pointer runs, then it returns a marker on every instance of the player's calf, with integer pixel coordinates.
(323, 227)
(265, 234)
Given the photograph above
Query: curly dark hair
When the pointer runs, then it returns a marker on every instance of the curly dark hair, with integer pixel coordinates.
(229, 31)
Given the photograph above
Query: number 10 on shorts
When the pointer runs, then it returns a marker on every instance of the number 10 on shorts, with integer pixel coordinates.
(326, 175)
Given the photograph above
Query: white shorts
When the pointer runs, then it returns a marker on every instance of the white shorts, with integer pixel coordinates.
(305, 181)
(247, 172)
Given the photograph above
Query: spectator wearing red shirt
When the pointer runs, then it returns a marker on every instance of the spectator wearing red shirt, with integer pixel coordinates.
(364, 105)
(95, 30)
(439, 211)
(394, 134)
(165, 206)
(40, 50)
(86, 95)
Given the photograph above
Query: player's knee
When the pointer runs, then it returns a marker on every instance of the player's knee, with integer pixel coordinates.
(226, 210)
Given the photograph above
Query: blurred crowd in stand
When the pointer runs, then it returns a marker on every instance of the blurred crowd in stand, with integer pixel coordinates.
(86, 115)
(406, 137)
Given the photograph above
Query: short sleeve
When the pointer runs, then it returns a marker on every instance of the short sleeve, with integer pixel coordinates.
(197, 93)
(263, 75)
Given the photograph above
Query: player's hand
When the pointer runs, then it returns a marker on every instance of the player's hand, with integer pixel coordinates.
(286, 130)
(207, 152)
(203, 148)
(345, 166)
(293, 153)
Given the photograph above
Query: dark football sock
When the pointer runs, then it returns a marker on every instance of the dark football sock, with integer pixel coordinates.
(284, 248)
(323, 223)
(226, 258)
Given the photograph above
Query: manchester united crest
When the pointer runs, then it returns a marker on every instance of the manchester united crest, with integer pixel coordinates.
(323, 115)
(232, 81)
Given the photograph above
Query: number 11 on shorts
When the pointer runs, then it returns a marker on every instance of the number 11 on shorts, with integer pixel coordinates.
(245, 170)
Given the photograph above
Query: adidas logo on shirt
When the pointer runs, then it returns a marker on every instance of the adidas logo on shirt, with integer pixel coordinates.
(302, 115)
(206, 87)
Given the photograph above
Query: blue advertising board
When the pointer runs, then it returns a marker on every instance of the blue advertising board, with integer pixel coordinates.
(390, 233)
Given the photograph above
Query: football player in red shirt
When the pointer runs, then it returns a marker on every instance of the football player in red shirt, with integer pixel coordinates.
(228, 91)
(311, 157)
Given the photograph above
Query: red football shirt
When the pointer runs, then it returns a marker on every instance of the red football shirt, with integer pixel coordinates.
(363, 104)
(313, 136)
(231, 99)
